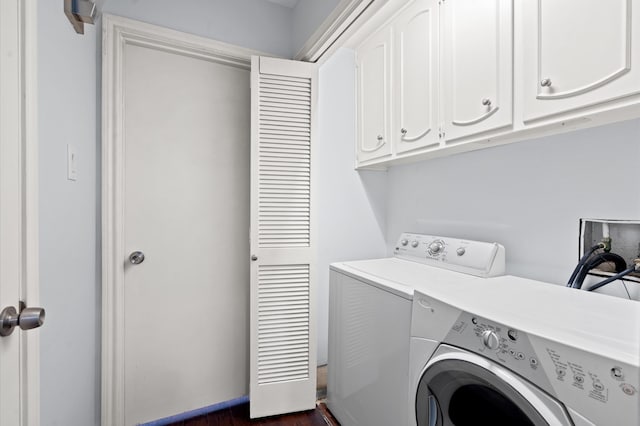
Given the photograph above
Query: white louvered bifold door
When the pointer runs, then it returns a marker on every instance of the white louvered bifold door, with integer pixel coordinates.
(283, 335)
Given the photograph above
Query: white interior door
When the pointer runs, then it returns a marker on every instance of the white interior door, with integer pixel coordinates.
(283, 237)
(18, 232)
(186, 208)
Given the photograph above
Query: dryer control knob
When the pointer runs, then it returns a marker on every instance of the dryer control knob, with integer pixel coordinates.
(414, 244)
(436, 247)
(490, 339)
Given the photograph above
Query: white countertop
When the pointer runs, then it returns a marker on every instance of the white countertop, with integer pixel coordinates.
(596, 323)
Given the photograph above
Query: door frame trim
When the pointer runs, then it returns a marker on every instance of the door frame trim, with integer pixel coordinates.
(117, 33)
(27, 191)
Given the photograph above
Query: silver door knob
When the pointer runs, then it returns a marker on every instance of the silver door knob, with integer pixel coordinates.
(379, 137)
(486, 102)
(27, 319)
(254, 257)
(545, 82)
(403, 131)
(136, 258)
(31, 318)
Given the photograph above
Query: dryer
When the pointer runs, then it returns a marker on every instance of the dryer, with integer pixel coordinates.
(370, 321)
(512, 351)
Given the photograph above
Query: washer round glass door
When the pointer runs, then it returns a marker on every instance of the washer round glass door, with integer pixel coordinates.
(459, 388)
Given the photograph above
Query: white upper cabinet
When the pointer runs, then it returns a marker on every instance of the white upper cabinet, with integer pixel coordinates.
(415, 82)
(445, 76)
(477, 67)
(373, 94)
(578, 53)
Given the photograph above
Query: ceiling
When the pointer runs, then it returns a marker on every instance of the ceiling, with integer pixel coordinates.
(287, 3)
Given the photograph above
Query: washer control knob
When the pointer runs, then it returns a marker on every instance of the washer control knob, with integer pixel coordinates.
(436, 247)
(616, 373)
(628, 389)
(461, 251)
(414, 244)
(404, 241)
(490, 339)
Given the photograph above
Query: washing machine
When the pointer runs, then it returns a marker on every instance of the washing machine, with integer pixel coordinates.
(512, 351)
(370, 311)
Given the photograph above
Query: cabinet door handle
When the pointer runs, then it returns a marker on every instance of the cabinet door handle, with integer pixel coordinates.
(375, 148)
(403, 131)
(545, 82)
(486, 102)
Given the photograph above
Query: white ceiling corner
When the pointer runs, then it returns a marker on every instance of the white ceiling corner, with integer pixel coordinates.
(286, 3)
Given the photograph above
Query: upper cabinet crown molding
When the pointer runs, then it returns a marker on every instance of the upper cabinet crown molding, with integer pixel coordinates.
(339, 20)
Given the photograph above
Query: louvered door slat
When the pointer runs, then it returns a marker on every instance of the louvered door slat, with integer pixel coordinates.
(299, 93)
(270, 87)
(272, 81)
(283, 349)
(283, 152)
(292, 105)
(285, 113)
(284, 117)
(286, 80)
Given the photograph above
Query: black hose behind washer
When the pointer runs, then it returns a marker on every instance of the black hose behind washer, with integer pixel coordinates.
(582, 261)
(619, 262)
(613, 278)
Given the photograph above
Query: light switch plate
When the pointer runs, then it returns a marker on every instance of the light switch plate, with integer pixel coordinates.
(72, 163)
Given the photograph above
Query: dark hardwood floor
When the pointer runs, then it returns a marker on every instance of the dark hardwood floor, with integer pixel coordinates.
(239, 416)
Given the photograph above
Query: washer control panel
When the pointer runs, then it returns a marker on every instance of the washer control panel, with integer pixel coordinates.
(603, 390)
(507, 346)
(477, 258)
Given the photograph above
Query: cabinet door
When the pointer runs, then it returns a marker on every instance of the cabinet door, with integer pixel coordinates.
(477, 66)
(578, 53)
(416, 76)
(373, 96)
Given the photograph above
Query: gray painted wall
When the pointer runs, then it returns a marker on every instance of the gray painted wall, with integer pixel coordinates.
(255, 24)
(528, 196)
(69, 238)
(351, 205)
(307, 17)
